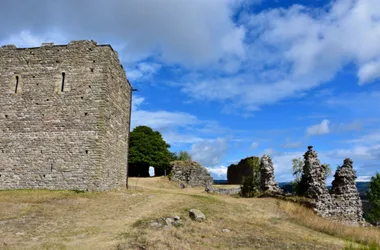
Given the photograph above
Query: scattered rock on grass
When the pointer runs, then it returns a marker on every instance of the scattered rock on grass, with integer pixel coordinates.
(167, 222)
(196, 215)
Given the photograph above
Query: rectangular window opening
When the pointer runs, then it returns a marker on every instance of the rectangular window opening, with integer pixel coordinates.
(16, 86)
(63, 82)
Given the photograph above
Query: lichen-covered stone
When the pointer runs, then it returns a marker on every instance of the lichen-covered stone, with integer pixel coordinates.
(348, 205)
(64, 117)
(236, 172)
(267, 182)
(223, 191)
(313, 180)
(196, 215)
(343, 204)
(190, 172)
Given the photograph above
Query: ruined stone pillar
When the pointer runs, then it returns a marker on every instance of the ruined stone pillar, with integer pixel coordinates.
(348, 205)
(313, 184)
(267, 182)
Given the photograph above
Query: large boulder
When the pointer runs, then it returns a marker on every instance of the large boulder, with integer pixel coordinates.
(191, 173)
(236, 172)
(196, 215)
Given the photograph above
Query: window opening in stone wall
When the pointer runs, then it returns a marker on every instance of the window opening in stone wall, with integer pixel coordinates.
(63, 81)
(16, 86)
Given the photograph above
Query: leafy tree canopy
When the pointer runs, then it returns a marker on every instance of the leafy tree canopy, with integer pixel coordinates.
(373, 195)
(148, 148)
(181, 156)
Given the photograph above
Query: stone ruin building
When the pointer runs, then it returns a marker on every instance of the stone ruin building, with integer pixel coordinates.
(236, 172)
(64, 118)
(267, 182)
(343, 202)
(190, 173)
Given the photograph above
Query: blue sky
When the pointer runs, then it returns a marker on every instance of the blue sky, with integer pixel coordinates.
(227, 79)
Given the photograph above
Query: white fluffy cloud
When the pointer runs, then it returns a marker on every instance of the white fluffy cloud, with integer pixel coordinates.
(175, 31)
(210, 153)
(278, 53)
(218, 172)
(175, 127)
(164, 121)
(319, 129)
(142, 71)
(290, 51)
(369, 72)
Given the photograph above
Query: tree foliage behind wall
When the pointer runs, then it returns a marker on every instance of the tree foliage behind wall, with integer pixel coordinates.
(298, 165)
(373, 195)
(147, 148)
(251, 184)
(181, 156)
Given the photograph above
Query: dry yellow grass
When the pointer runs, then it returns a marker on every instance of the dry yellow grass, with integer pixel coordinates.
(307, 218)
(121, 220)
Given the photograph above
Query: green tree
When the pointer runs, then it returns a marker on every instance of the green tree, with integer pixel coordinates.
(173, 156)
(251, 184)
(373, 195)
(181, 156)
(148, 148)
(184, 156)
(298, 164)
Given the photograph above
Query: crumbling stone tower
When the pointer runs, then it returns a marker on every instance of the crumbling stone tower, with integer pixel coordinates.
(64, 117)
(345, 194)
(343, 202)
(267, 182)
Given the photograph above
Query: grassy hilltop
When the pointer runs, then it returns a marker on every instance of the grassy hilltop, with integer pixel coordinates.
(121, 220)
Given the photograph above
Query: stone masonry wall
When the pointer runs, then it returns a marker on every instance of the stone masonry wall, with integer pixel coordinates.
(73, 136)
(236, 172)
(190, 173)
(267, 182)
(348, 205)
(343, 202)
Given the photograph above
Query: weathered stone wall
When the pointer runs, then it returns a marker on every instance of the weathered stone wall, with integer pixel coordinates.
(236, 172)
(73, 136)
(190, 173)
(348, 205)
(223, 191)
(267, 182)
(343, 204)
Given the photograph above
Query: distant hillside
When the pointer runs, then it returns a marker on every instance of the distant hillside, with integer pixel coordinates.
(361, 186)
(220, 182)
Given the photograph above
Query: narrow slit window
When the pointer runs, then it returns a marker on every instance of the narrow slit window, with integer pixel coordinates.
(63, 81)
(16, 86)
